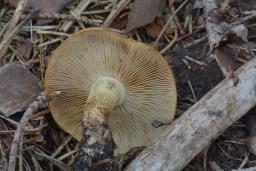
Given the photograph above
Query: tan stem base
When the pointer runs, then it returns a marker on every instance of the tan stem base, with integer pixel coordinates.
(97, 146)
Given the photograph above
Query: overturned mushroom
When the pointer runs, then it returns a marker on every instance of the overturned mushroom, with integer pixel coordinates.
(108, 79)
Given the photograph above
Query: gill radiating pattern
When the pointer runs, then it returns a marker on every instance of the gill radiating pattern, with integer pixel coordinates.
(149, 84)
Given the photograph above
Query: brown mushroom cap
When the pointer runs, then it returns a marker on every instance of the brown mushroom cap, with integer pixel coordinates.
(94, 53)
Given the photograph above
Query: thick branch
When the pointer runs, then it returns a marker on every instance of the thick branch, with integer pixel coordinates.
(201, 124)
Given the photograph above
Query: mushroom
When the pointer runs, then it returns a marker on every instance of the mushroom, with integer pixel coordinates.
(105, 77)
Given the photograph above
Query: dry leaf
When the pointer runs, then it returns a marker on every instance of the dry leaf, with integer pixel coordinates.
(24, 47)
(18, 88)
(143, 13)
(44, 6)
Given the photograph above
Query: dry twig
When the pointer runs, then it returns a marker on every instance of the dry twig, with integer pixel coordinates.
(20, 130)
(40, 103)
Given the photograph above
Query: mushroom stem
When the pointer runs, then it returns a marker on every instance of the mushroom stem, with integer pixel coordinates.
(105, 94)
(97, 144)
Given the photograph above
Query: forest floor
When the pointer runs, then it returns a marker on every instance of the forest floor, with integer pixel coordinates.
(184, 44)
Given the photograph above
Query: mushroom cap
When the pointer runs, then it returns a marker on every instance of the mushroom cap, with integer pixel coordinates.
(96, 52)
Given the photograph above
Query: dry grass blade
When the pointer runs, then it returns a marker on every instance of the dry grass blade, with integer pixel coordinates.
(61, 146)
(56, 162)
(67, 154)
(246, 158)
